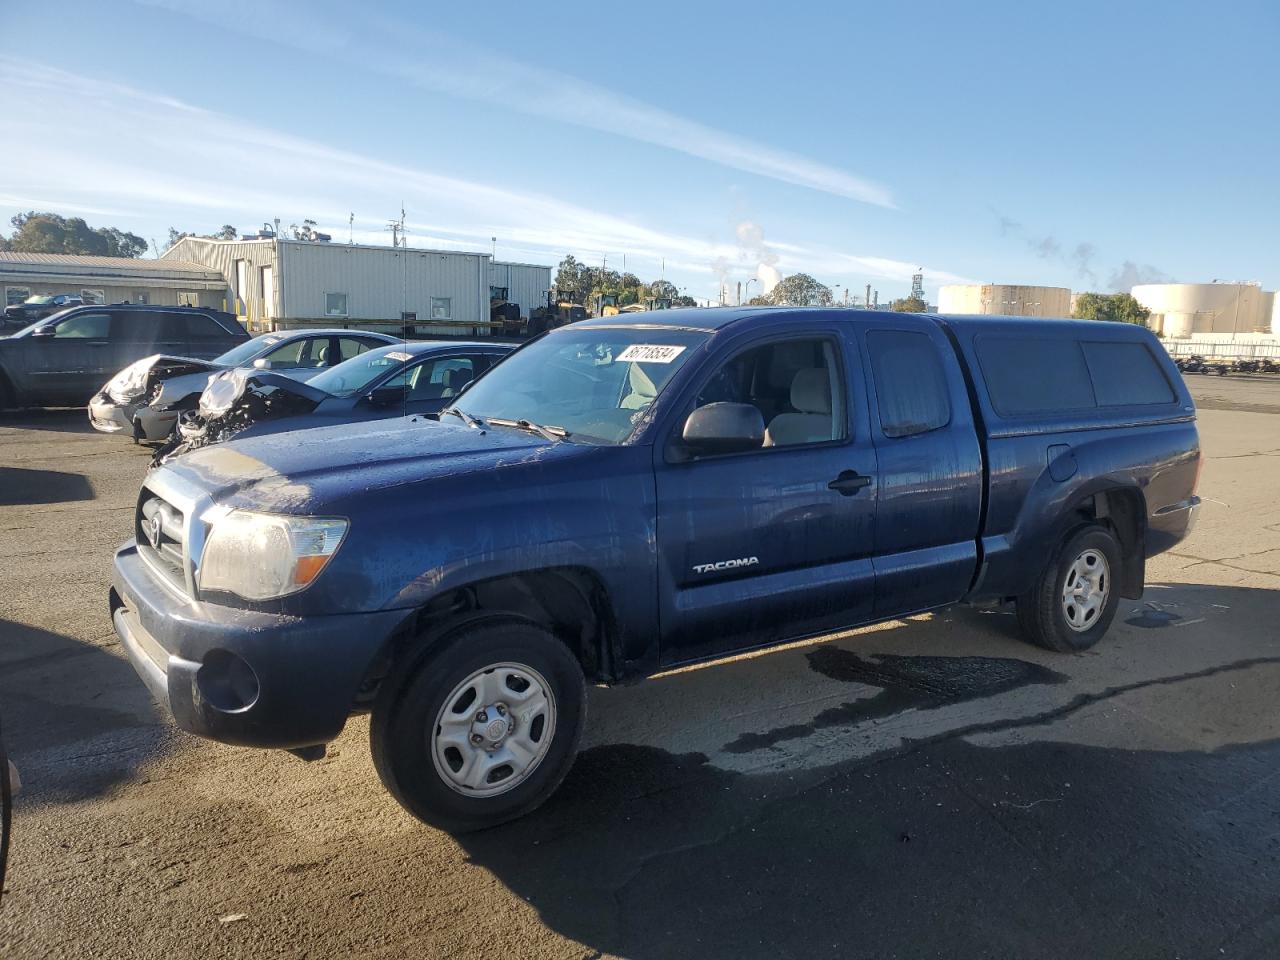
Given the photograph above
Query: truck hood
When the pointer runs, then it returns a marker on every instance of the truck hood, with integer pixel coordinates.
(304, 470)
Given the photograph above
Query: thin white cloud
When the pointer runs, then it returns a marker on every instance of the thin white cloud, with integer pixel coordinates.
(452, 66)
(194, 168)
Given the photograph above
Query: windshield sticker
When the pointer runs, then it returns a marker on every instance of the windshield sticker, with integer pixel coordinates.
(399, 355)
(649, 353)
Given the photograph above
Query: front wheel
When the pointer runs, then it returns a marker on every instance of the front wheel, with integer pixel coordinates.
(482, 728)
(1075, 599)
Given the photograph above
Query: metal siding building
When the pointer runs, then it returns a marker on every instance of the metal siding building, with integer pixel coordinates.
(112, 279)
(283, 284)
(527, 283)
(377, 284)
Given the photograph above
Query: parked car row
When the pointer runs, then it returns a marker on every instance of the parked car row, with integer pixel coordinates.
(622, 496)
(146, 399)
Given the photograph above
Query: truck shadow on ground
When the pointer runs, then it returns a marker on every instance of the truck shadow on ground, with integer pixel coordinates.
(22, 487)
(937, 847)
(1044, 850)
(57, 420)
(76, 719)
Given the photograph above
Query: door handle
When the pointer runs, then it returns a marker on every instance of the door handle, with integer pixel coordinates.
(848, 483)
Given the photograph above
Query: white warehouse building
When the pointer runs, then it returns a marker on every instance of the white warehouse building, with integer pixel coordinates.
(1182, 310)
(279, 283)
(1000, 299)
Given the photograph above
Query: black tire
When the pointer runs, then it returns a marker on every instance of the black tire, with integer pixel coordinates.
(403, 726)
(1041, 613)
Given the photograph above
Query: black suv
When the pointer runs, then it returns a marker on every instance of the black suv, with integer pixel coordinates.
(37, 308)
(62, 360)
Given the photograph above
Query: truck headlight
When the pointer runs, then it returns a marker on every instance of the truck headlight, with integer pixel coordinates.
(127, 385)
(261, 556)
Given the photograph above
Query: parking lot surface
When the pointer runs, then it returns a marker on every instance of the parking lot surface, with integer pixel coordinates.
(923, 788)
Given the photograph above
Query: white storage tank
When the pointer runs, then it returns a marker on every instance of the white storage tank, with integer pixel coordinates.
(1000, 299)
(1231, 308)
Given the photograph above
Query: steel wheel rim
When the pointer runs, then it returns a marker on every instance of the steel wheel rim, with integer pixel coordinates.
(1085, 590)
(493, 730)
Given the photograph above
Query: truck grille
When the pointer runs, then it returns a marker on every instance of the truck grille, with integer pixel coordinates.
(160, 532)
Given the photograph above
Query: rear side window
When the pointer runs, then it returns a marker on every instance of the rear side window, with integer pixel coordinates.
(198, 326)
(911, 385)
(1027, 376)
(1126, 374)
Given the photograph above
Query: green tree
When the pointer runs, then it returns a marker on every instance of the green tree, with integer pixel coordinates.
(800, 290)
(764, 300)
(1117, 307)
(51, 233)
(683, 300)
(910, 305)
(574, 277)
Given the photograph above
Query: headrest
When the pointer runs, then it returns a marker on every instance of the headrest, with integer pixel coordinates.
(457, 378)
(811, 390)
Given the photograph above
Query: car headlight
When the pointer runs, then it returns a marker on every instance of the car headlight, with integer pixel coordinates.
(128, 385)
(261, 556)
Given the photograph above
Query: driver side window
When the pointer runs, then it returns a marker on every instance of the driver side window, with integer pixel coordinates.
(796, 386)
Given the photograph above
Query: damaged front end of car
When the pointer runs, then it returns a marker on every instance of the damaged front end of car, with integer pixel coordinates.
(233, 402)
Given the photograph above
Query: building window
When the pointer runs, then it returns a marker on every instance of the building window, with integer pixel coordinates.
(335, 304)
(15, 295)
(97, 297)
(188, 299)
(141, 296)
(441, 308)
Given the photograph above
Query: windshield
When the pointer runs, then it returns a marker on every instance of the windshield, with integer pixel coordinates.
(40, 300)
(360, 372)
(593, 382)
(245, 352)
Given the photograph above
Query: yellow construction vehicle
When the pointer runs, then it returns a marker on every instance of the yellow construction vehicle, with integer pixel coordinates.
(605, 305)
(562, 307)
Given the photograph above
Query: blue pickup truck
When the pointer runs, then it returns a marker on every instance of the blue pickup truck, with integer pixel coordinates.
(626, 494)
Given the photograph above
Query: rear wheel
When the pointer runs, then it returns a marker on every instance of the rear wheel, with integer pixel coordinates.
(482, 728)
(1075, 599)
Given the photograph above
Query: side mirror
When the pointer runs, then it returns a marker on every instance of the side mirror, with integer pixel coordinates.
(723, 428)
(262, 363)
(43, 332)
(385, 396)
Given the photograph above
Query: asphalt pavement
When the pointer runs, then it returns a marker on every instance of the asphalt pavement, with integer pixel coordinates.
(924, 788)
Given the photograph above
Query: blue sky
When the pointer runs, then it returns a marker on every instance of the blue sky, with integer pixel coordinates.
(1089, 145)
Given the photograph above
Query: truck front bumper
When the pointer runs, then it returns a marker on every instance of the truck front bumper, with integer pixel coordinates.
(240, 676)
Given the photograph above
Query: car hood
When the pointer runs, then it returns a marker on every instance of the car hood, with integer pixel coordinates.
(306, 470)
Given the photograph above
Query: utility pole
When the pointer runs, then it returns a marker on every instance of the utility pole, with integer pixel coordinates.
(495, 247)
(739, 293)
(351, 229)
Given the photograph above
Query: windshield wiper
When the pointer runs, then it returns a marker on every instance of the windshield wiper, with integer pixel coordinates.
(475, 423)
(547, 433)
